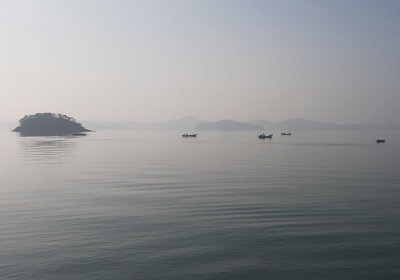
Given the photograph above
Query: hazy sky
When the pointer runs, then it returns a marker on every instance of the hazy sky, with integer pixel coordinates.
(335, 61)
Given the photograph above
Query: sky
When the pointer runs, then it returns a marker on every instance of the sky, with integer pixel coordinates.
(334, 61)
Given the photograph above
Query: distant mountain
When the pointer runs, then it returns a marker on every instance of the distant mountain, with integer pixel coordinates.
(190, 123)
(302, 124)
(228, 125)
(187, 123)
(387, 125)
(102, 125)
(265, 124)
(381, 123)
(295, 124)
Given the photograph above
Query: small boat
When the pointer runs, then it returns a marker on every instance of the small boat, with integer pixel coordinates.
(263, 136)
(189, 135)
(286, 133)
(380, 141)
(79, 134)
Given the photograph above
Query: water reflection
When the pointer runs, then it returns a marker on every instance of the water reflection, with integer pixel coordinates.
(47, 149)
(43, 134)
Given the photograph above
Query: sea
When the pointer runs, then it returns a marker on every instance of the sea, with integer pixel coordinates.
(137, 204)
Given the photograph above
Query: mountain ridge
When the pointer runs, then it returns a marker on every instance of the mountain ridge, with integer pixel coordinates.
(308, 125)
(227, 125)
(185, 123)
(190, 122)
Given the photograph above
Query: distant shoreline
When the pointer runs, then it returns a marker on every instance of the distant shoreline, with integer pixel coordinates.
(190, 123)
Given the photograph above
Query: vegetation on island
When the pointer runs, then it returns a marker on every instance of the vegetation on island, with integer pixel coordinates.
(49, 124)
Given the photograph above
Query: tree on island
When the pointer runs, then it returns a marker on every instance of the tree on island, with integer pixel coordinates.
(49, 124)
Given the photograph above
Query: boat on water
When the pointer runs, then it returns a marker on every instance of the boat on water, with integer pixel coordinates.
(284, 133)
(263, 136)
(380, 141)
(79, 134)
(189, 135)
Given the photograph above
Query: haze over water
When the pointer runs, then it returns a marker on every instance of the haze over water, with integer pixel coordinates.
(224, 205)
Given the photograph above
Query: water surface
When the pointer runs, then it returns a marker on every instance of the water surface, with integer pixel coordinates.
(224, 205)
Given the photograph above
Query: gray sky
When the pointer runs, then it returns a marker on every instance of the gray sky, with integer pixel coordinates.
(336, 61)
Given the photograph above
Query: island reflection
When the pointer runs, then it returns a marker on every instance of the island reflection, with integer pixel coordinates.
(46, 148)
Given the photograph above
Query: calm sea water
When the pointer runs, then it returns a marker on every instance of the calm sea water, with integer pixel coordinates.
(225, 205)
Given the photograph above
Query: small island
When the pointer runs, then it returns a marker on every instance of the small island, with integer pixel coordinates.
(43, 124)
